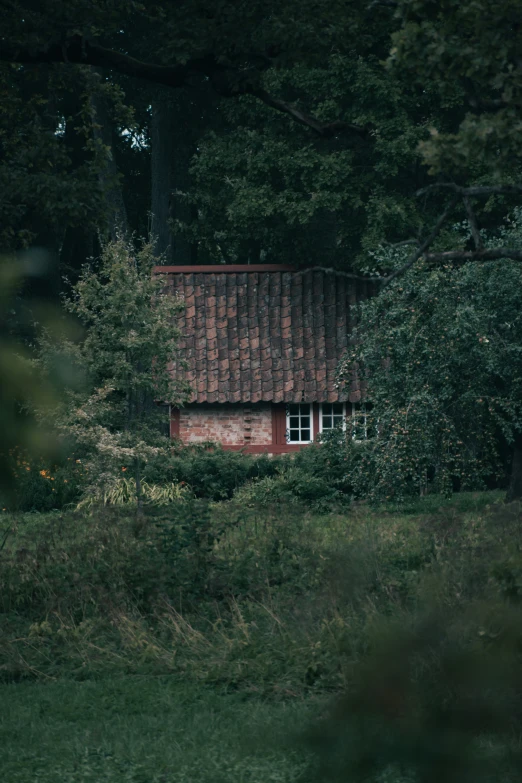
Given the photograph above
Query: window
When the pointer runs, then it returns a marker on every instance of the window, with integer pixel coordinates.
(332, 414)
(299, 427)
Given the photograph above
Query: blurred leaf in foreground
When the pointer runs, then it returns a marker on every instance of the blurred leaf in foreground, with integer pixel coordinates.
(24, 394)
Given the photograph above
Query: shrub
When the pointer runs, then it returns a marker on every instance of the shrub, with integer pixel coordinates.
(40, 486)
(333, 460)
(269, 598)
(210, 471)
(291, 484)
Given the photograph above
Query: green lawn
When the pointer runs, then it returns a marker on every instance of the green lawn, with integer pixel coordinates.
(144, 730)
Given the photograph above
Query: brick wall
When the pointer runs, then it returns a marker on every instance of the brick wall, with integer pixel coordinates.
(231, 425)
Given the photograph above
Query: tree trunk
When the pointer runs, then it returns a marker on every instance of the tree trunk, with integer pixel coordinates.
(79, 241)
(78, 246)
(116, 223)
(515, 483)
(171, 151)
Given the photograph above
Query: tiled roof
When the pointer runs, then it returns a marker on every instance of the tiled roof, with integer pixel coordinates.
(251, 334)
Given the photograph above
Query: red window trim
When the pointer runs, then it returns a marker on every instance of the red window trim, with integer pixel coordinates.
(279, 425)
(174, 422)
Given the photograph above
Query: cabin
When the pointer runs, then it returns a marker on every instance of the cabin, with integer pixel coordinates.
(260, 347)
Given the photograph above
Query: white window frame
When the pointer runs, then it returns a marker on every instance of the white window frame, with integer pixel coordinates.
(311, 415)
(321, 428)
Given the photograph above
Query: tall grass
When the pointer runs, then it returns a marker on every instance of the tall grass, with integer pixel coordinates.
(414, 616)
(272, 602)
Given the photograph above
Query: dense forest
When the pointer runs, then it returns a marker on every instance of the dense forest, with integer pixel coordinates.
(310, 132)
(377, 139)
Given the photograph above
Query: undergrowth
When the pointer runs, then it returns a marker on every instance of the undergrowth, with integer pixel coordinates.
(270, 599)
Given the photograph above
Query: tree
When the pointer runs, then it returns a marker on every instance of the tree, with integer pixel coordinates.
(346, 172)
(125, 355)
(467, 54)
(451, 68)
(441, 351)
(230, 45)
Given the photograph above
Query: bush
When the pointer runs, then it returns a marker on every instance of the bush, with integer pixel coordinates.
(333, 460)
(291, 484)
(210, 471)
(40, 486)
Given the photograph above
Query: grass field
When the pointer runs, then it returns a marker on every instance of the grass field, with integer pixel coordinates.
(199, 648)
(145, 730)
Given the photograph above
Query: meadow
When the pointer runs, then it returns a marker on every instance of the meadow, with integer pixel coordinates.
(201, 641)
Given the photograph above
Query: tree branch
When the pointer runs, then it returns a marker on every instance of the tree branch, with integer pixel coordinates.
(339, 273)
(478, 190)
(475, 232)
(403, 243)
(382, 3)
(421, 250)
(384, 280)
(322, 129)
(483, 254)
(226, 81)
(80, 52)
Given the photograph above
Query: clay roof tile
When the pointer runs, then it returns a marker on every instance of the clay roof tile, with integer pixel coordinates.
(263, 333)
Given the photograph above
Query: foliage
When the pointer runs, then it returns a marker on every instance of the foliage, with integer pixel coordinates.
(330, 460)
(440, 349)
(38, 485)
(123, 491)
(415, 617)
(259, 186)
(468, 52)
(266, 598)
(208, 470)
(126, 353)
(291, 484)
(24, 397)
(383, 92)
(438, 688)
(269, 192)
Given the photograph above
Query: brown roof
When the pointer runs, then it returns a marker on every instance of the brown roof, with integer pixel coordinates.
(263, 333)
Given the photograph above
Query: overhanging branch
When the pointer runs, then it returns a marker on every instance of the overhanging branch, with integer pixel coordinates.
(484, 254)
(226, 81)
(477, 190)
(322, 129)
(421, 250)
(78, 51)
(460, 256)
(339, 273)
